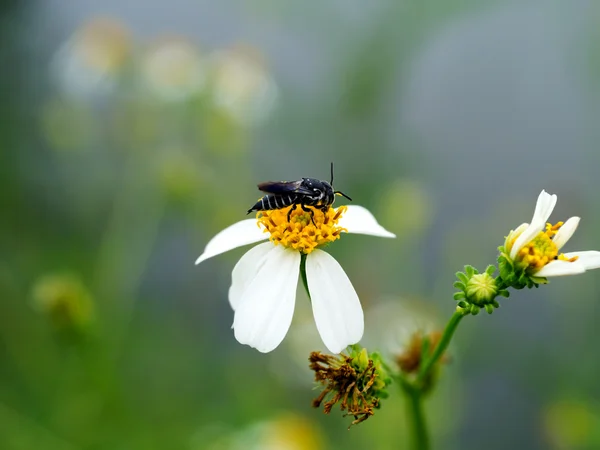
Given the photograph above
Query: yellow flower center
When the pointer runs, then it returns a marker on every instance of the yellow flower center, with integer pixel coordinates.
(300, 233)
(541, 250)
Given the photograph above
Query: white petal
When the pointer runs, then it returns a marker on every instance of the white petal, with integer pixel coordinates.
(245, 271)
(565, 232)
(543, 208)
(516, 232)
(359, 220)
(588, 259)
(336, 308)
(520, 228)
(265, 309)
(240, 233)
(525, 237)
(559, 268)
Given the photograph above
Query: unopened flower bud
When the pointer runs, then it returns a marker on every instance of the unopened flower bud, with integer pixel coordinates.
(363, 359)
(481, 289)
(477, 290)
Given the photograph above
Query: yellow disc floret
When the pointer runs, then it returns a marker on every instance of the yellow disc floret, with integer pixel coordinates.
(300, 233)
(541, 250)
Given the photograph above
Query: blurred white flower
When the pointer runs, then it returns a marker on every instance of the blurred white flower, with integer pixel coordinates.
(241, 85)
(286, 432)
(173, 70)
(89, 63)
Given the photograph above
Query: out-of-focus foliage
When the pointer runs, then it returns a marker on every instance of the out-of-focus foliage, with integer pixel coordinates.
(131, 132)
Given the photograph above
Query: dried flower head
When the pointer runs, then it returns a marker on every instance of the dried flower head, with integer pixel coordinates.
(419, 348)
(356, 381)
(410, 359)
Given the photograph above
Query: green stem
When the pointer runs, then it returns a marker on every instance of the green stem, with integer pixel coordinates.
(303, 273)
(419, 436)
(415, 390)
(440, 348)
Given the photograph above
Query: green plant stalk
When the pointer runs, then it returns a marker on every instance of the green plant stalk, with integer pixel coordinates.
(414, 391)
(419, 435)
(440, 348)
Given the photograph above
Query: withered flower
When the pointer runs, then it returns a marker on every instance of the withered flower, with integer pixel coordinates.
(411, 357)
(419, 348)
(356, 381)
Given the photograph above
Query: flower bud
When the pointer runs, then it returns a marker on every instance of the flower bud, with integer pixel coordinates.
(481, 289)
(478, 290)
(363, 359)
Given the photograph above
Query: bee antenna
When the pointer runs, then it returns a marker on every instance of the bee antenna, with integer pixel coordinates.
(341, 193)
(331, 173)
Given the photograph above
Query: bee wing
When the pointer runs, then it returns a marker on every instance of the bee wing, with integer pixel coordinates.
(283, 187)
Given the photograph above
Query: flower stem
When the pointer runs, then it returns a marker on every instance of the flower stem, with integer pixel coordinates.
(440, 348)
(415, 390)
(419, 436)
(303, 273)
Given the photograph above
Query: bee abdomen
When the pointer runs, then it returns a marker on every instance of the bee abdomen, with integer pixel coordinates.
(270, 202)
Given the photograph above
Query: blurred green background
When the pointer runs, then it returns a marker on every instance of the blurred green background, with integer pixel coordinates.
(132, 132)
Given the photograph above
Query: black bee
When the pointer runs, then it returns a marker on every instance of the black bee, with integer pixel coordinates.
(304, 192)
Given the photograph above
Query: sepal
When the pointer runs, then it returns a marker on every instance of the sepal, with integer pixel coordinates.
(514, 276)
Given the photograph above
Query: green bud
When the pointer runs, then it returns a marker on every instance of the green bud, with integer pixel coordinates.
(363, 359)
(478, 290)
(481, 289)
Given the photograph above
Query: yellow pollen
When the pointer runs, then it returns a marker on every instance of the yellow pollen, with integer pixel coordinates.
(300, 233)
(541, 250)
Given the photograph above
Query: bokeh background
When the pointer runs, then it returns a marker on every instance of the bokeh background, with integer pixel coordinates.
(131, 132)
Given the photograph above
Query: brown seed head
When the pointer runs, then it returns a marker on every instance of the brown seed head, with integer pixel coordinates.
(349, 382)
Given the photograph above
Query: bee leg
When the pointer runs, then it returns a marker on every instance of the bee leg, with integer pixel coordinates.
(324, 210)
(289, 214)
(312, 213)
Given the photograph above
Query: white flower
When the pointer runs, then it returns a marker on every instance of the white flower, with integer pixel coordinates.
(242, 86)
(88, 64)
(264, 281)
(535, 247)
(173, 70)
